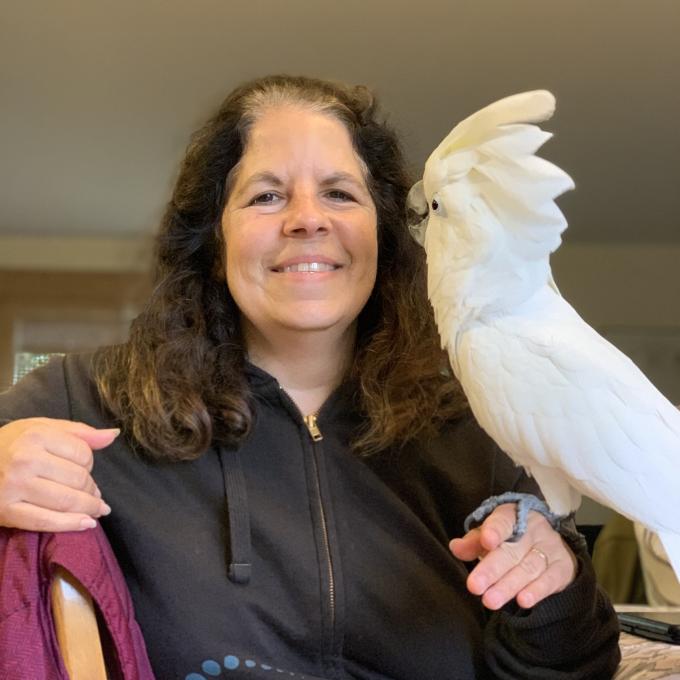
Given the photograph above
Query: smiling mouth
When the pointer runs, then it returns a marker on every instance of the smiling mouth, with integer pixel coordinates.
(311, 267)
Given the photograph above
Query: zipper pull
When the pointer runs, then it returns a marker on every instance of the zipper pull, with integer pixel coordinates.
(314, 431)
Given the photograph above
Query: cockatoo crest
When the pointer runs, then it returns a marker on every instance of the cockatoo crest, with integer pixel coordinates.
(490, 204)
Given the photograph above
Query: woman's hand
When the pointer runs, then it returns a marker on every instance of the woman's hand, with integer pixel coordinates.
(537, 565)
(45, 481)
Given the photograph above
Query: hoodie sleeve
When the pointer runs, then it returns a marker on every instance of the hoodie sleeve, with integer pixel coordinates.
(571, 635)
(42, 393)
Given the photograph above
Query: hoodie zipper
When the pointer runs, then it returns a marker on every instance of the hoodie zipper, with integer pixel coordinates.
(316, 436)
(314, 431)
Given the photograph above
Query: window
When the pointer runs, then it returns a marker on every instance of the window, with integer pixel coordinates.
(25, 362)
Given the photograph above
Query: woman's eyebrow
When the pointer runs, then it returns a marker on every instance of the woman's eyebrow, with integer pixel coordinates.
(343, 177)
(264, 176)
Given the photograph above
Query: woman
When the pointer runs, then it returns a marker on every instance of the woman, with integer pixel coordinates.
(293, 458)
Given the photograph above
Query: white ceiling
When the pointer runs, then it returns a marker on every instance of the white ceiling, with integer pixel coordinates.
(97, 99)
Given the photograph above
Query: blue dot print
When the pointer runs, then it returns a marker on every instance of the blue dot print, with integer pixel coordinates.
(211, 667)
(231, 662)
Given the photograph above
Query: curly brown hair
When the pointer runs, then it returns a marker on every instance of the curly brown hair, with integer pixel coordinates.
(178, 383)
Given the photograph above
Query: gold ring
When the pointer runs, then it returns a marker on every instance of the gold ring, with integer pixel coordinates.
(542, 554)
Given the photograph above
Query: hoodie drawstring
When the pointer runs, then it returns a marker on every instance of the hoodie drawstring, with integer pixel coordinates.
(240, 564)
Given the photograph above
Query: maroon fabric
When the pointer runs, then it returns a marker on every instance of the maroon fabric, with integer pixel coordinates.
(28, 645)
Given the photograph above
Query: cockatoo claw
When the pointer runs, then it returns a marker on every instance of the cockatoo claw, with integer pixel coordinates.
(525, 502)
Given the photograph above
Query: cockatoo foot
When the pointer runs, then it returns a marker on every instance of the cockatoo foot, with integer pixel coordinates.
(525, 502)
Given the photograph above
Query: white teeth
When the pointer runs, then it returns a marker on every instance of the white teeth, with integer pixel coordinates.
(309, 267)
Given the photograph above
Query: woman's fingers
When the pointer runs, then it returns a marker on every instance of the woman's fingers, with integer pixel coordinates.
(550, 582)
(44, 493)
(39, 463)
(494, 566)
(70, 440)
(45, 467)
(32, 518)
(94, 438)
(497, 527)
(61, 458)
(468, 547)
(508, 572)
(530, 569)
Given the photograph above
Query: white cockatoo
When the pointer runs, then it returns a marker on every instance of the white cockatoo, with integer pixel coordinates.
(559, 399)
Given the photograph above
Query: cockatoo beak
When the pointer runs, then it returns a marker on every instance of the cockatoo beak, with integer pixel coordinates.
(417, 202)
(418, 231)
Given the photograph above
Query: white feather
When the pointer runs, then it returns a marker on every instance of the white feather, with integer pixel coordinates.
(557, 397)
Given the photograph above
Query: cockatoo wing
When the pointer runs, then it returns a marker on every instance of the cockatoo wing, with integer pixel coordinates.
(574, 411)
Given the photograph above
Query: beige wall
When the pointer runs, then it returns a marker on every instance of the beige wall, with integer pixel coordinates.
(105, 300)
(74, 278)
(74, 254)
(630, 285)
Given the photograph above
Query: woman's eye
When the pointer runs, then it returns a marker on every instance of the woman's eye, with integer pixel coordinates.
(267, 197)
(339, 195)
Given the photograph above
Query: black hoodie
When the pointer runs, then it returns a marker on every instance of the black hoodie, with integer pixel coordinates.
(295, 558)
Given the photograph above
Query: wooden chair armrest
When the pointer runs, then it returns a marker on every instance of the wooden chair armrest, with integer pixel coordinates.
(75, 622)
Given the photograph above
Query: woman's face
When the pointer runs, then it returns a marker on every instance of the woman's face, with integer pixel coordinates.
(299, 227)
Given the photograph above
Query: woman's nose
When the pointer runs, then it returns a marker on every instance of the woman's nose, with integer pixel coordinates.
(305, 217)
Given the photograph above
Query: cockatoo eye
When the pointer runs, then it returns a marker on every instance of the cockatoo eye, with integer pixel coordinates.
(437, 208)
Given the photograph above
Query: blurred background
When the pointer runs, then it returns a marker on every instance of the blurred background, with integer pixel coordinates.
(98, 100)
